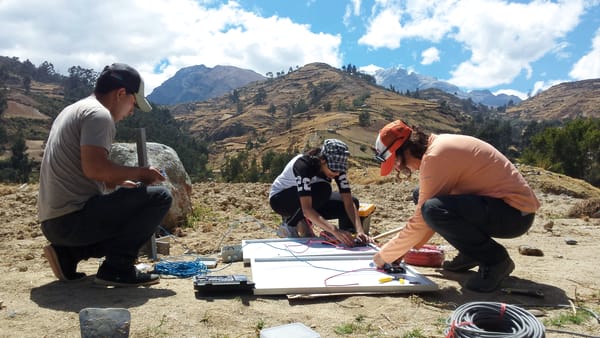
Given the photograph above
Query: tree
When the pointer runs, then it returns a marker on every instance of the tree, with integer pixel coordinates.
(27, 84)
(239, 107)
(573, 150)
(364, 119)
(20, 161)
(260, 97)
(3, 136)
(27, 69)
(46, 73)
(79, 84)
(272, 109)
(234, 96)
(234, 167)
(3, 100)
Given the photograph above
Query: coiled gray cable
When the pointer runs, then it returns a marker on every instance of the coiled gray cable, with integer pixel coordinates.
(489, 319)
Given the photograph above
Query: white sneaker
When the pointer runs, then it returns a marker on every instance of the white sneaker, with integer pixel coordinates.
(286, 231)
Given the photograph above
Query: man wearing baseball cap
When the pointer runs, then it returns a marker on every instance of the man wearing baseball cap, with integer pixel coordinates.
(468, 192)
(303, 196)
(82, 214)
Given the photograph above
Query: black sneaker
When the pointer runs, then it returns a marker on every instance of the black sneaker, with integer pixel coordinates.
(460, 263)
(130, 277)
(489, 277)
(63, 264)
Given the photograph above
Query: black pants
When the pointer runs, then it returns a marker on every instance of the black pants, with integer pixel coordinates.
(469, 222)
(326, 202)
(114, 225)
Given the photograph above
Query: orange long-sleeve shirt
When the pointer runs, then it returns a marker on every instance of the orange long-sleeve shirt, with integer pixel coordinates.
(457, 165)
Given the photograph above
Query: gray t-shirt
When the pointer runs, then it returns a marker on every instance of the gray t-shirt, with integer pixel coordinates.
(63, 186)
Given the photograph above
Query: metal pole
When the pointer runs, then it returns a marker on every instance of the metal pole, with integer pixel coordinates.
(143, 162)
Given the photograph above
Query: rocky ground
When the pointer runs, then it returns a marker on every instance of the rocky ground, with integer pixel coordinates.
(34, 304)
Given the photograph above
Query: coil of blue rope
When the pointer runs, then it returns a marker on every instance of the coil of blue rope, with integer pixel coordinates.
(181, 269)
(476, 318)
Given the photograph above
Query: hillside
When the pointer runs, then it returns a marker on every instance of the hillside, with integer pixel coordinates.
(304, 107)
(295, 111)
(568, 100)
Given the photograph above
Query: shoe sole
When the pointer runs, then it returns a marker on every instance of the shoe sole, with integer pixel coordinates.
(102, 282)
(52, 258)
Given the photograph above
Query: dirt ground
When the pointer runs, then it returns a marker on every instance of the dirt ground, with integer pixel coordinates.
(34, 304)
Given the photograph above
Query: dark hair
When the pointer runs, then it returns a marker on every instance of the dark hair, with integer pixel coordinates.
(416, 145)
(315, 157)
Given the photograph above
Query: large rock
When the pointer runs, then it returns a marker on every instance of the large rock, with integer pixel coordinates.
(178, 181)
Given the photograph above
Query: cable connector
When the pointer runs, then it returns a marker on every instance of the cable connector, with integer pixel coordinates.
(231, 253)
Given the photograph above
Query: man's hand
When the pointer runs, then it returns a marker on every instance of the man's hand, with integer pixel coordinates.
(151, 175)
(344, 237)
(364, 238)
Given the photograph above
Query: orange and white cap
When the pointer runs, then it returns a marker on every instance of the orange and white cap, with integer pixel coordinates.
(391, 137)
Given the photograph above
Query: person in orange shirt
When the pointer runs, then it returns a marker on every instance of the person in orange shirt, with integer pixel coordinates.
(468, 192)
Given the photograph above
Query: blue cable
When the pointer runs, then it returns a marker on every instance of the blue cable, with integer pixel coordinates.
(182, 269)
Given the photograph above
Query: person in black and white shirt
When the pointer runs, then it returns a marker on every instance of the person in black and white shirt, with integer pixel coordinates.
(303, 190)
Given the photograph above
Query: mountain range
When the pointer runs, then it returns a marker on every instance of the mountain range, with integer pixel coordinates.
(199, 83)
(299, 109)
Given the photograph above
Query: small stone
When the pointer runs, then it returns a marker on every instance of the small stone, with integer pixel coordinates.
(548, 226)
(107, 322)
(530, 251)
(570, 241)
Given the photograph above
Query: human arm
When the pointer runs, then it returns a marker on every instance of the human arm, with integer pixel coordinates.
(432, 182)
(318, 220)
(353, 214)
(413, 235)
(97, 166)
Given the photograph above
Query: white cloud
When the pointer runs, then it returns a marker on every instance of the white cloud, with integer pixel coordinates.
(383, 30)
(588, 67)
(540, 86)
(144, 34)
(430, 55)
(352, 9)
(503, 37)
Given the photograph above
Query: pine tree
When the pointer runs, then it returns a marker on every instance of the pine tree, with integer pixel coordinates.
(20, 161)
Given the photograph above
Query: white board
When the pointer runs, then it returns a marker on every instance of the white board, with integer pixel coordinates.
(330, 274)
(299, 247)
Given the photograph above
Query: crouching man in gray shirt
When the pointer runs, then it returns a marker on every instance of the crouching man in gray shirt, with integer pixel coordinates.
(81, 214)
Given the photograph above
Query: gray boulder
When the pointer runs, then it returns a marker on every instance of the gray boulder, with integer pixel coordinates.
(178, 181)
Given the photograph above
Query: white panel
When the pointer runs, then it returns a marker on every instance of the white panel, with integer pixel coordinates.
(329, 274)
(299, 247)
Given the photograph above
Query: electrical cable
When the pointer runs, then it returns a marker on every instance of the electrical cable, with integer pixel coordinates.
(181, 269)
(474, 319)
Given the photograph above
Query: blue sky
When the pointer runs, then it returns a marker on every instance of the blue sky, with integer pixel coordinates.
(516, 47)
